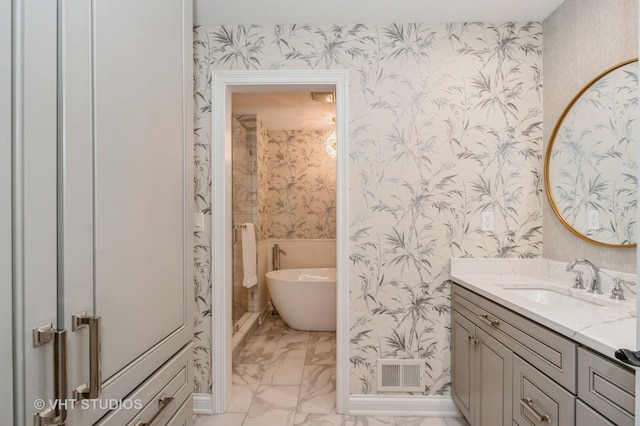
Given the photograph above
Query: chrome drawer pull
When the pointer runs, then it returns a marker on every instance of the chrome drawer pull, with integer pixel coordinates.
(527, 403)
(485, 319)
(163, 403)
(93, 389)
(56, 415)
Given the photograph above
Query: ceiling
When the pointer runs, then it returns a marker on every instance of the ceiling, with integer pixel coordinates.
(342, 12)
(287, 111)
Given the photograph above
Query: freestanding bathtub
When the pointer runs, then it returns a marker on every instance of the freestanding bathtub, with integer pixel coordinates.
(305, 298)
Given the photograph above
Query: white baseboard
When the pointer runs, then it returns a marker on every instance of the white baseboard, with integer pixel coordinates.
(202, 403)
(371, 405)
(400, 405)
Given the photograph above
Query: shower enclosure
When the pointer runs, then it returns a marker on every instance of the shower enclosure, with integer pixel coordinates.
(244, 204)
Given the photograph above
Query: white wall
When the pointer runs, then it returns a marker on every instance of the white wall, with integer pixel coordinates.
(582, 38)
(444, 123)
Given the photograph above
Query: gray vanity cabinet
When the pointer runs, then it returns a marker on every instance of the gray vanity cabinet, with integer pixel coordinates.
(607, 386)
(509, 370)
(482, 369)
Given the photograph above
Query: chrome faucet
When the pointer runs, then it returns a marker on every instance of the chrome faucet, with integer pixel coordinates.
(617, 293)
(276, 251)
(595, 281)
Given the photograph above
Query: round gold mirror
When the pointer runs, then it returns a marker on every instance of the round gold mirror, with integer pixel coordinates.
(591, 162)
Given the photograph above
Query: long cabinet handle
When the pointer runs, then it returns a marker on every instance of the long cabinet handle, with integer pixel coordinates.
(485, 319)
(163, 403)
(527, 403)
(93, 389)
(56, 415)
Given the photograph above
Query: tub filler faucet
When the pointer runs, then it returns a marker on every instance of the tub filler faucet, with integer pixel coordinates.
(276, 251)
(595, 282)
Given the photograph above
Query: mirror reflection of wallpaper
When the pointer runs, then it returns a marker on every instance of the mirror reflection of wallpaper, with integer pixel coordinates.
(445, 121)
(593, 163)
(297, 183)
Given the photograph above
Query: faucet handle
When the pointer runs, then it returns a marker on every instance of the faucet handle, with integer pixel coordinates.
(578, 282)
(617, 292)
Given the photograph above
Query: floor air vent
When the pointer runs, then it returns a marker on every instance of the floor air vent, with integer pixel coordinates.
(401, 375)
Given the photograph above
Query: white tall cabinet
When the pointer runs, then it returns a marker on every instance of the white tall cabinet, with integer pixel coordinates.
(101, 186)
(6, 361)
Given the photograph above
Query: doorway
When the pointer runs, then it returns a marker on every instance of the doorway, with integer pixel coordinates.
(224, 84)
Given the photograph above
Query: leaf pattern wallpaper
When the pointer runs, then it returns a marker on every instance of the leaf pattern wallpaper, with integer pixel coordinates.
(445, 123)
(593, 164)
(298, 180)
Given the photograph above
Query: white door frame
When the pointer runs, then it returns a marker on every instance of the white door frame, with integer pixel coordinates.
(224, 83)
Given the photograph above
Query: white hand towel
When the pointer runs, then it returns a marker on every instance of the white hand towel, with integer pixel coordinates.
(249, 255)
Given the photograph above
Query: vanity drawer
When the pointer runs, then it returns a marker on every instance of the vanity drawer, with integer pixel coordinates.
(164, 393)
(548, 351)
(184, 416)
(586, 415)
(538, 399)
(606, 386)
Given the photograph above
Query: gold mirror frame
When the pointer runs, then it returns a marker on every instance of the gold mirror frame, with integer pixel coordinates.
(556, 129)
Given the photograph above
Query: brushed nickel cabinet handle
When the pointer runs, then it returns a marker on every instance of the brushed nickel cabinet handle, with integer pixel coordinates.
(163, 403)
(93, 389)
(485, 319)
(527, 403)
(56, 415)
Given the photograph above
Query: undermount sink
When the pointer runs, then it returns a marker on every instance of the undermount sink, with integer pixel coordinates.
(549, 297)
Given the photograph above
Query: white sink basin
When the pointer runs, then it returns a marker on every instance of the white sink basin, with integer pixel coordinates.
(549, 297)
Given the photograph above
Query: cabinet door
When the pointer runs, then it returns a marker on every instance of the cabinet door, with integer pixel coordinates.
(462, 363)
(6, 293)
(125, 194)
(493, 386)
(34, 186)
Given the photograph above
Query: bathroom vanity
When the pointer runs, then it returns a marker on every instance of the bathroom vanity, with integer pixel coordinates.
(526, 349)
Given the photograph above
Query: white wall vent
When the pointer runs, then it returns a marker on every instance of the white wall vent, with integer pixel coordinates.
(401, 375)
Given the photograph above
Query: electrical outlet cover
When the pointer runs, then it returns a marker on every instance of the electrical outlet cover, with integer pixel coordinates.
(487, 221)
(593, 219)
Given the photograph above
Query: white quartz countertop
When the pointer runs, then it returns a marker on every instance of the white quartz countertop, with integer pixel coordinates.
(603, 325)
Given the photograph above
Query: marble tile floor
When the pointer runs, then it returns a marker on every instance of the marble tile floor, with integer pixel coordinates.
(286, 377)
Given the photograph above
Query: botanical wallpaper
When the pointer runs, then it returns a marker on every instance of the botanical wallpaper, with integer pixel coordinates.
(593, 164)
(298, 180)
(445, 123)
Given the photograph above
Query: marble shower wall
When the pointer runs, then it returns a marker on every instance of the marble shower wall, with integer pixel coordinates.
(445, 123)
